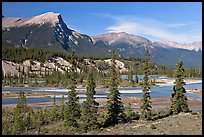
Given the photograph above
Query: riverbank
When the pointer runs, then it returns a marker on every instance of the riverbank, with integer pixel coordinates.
(157, 103)
(170, 82)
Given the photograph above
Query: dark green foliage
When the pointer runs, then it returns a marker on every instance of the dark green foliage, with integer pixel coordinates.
(152, 126)
(62, 108)
(114, 105)
(89, 110)
(11, 53)
(192, 72)
(54, 111)
(54, 100)
(6, 122)
(73, 108)
(178, 98)
(145, 108)
(130, 77)
(136, 78)
(20, 114)
(131, 115)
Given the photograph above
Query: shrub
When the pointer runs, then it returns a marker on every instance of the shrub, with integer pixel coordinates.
(152, 126)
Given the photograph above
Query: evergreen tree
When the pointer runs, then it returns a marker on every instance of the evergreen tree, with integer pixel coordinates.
(23, 70)
(131, 115)
(19, 113)
(40, 71)
(130, 77)
(6, 122)
(89, 111)
(33, 119)
(178, 98)
(62, 108)
(136, 78)
(30, 68)
(21, 78)
(73, 107)
(114, 105)
(36, 78)
(54, 100)
(19, 68)
(45, 74)
(145, 108)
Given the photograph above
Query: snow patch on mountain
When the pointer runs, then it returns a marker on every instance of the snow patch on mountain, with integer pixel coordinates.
(189, 46)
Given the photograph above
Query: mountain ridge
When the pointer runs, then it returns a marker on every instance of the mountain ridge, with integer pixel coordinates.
(48, 31)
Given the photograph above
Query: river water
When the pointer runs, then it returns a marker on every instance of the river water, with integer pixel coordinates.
(156, 92)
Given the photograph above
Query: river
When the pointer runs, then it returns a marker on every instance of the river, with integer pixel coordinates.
(156, 92)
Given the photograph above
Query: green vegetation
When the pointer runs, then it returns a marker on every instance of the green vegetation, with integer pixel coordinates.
(89, 111)
(115, 111)
(145, 108)
(152, 126)
(53, 77)
(178, 98)
(72, 114)
(26, 120)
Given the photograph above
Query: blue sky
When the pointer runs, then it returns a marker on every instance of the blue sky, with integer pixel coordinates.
(174, 21)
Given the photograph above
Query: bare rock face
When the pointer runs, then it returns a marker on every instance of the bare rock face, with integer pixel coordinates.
(57, 63)
(121, 37)
(120, 66)
(9, 68)
(49, 17)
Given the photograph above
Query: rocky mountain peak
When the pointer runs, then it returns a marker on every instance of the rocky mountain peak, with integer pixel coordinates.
(49, 17)
(114, 37)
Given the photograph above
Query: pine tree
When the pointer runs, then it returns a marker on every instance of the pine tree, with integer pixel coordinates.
(145, 108)
(19, 113)
(53, 110)
(89, 111)
(178, 98)
(136, 78)
(54, 100)
(23, 70)
(19, 68)
(40, 71)
(114, 105)
(62, 108)
(6, 122)
(73, 107)
(130, 77)
(131, 115)
(36, 78)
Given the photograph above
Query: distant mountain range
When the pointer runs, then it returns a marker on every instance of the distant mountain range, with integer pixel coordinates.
(48, 31)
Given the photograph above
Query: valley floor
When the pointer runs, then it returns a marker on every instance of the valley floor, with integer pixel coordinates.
(181, 124)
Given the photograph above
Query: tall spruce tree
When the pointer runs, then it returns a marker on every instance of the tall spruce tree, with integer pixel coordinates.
(178, 98)
(114, 105)
(89, 111)
(73, 107)
(62, 108)
(146, 100)
(130, 76)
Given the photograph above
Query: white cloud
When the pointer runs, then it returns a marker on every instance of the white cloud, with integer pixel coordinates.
(154, 29)
(176, 25)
